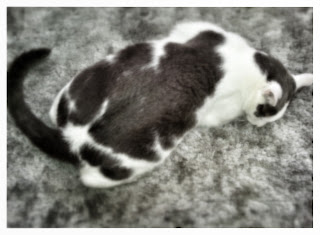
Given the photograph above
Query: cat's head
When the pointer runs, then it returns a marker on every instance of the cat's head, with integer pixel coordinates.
(271, 102)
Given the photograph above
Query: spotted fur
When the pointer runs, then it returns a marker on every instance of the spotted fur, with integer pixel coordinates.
(124, 115)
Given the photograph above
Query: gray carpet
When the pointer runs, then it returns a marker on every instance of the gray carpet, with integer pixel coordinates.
(237, 175)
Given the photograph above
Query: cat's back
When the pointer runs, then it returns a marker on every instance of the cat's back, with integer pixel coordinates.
(127, 102)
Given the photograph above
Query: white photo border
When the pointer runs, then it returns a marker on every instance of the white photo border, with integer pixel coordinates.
(160, 3)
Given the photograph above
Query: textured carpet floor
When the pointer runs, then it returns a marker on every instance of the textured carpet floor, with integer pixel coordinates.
(237, 175)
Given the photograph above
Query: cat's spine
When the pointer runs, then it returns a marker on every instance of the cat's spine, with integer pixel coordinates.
(47, 139)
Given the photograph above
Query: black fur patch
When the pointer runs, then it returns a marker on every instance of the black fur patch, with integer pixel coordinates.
(93, 157)
(109, 167)
(133, 57)
(93, 85)
(62, 112)
(117, 129)
(265, 110)
(115, 172)
(275, 71)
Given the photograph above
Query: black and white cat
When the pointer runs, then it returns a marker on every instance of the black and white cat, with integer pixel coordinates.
(124, 115)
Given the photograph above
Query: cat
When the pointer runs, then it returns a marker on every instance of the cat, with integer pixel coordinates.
(124, 115)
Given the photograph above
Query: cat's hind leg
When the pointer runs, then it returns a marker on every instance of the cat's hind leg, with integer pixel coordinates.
(102, 168)
(92, 176)
(110, 174)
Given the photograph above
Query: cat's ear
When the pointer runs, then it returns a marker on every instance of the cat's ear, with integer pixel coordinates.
(302, 80)
(272, 93)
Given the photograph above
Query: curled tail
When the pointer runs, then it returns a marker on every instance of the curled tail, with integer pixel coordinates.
(47, 139)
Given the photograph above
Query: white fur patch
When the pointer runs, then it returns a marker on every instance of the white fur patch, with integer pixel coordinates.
(157, 53)
(72, 105)
(217, 111)
(102, 110)
(92, 177)
(76, 135)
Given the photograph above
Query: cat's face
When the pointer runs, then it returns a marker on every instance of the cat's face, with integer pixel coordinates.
(271, 102)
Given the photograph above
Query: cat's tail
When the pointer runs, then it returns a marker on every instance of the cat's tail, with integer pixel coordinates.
(47, 139)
